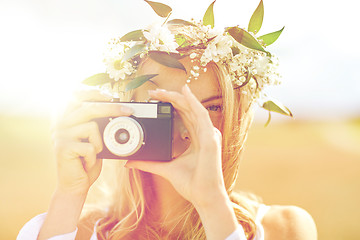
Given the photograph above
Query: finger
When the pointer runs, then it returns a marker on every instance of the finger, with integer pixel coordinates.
(175, 98)
(95, 170)
(205, 126)
(158, 168)
(182, 107)
(92, 95)
(88, 95)
(80, 96)
(76, 153)
(87, 153)
(218, 134)
(92, 110)
(196, 106)
(168, 170)
(89, 131)
(195, 113)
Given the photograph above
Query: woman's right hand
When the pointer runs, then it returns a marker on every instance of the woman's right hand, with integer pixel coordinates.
(77, 140)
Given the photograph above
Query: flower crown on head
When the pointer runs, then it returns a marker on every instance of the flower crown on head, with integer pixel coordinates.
(240, 51)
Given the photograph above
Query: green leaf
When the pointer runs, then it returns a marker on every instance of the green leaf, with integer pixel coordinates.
(275, 106)
(180, 22)
(132, 52)
(176, 55)
(270, 38)
(166, 59)
(138, 81)
(97, 79)
(256, 19)
(161, 9)
(181, 40)
(245, 38)
(136, 35)
(208, 18)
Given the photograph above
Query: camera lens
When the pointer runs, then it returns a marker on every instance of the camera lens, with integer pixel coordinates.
(122, 136)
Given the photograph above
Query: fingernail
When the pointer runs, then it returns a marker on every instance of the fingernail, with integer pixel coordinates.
(151, 92)
(160, 90)
(107, 96)
(126, 110)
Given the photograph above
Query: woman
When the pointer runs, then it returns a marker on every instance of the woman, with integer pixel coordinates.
(190, 197)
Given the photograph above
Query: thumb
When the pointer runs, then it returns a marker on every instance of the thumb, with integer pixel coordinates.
(158, 168)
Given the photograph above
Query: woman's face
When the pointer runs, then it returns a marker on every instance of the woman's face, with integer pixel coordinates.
(205, 88)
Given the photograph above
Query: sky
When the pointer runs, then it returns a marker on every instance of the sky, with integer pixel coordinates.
(47, 47)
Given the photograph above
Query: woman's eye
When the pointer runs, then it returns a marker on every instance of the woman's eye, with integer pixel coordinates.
(215, 108)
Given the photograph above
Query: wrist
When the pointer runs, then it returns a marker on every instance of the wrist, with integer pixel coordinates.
(218, 217)
(67, 204)
(63, 214)
(76, 198)
(219, 196)
(71, 194)
(217, 202)
(73, 191)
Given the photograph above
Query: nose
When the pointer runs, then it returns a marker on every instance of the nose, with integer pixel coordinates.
(181, 137)
(180, 130)
(184, 133)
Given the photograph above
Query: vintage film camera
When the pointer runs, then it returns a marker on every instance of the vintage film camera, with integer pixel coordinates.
(145, 135)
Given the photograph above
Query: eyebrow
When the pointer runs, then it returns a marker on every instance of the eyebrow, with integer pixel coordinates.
(211, 98)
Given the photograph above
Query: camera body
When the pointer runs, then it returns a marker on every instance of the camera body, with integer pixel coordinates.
(145, 135)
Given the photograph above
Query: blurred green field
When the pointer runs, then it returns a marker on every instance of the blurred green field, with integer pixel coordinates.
(315, 165)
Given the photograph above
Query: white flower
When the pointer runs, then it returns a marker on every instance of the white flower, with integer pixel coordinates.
(219, 48)
(161, 38)
(115, 66)
(209, 31)
(237, 62)
(261, 65)
(210, 44)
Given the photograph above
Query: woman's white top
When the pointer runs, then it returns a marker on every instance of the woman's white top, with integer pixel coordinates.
(31, 229)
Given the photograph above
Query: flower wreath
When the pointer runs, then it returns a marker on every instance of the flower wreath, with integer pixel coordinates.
(238, 50)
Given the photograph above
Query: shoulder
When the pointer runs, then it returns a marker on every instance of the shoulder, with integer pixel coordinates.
(289, 222)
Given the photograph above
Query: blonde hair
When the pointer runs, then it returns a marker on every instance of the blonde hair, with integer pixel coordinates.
(128, 196)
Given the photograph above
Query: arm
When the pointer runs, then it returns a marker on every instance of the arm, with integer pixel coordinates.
(197, 174)
(218, 218)
(63, 214)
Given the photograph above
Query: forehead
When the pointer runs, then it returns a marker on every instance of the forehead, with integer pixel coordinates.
(174, 79)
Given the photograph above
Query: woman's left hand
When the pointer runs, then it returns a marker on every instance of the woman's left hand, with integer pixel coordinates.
(197, 173)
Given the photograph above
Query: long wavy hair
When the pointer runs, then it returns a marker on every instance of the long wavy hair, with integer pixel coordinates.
(123, 198)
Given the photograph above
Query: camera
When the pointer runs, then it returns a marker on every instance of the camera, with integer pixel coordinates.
(145, 135)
